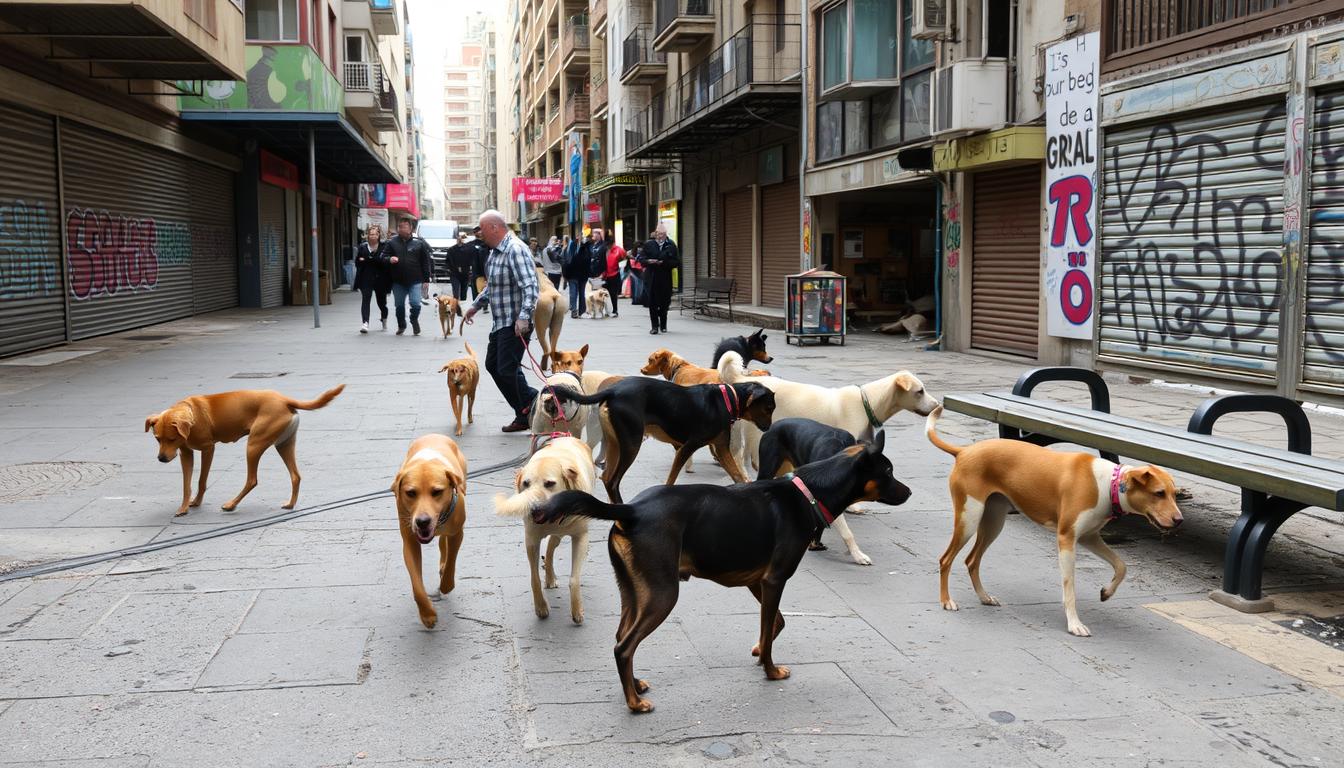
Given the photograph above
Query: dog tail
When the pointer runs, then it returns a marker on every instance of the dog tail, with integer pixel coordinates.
(582, 504)
(319, 402)
(930, 433)
(520, 503)
(731, 369)
(566, 394)
(470, 352)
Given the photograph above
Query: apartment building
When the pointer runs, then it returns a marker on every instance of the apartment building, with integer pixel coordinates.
(469, 124)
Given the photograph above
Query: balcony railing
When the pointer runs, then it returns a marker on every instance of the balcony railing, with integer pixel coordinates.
(1136, 26)
(668, 11)
(370, 77)
(680, 25)
(638, 49)
(599, 94)
(597, 11)
(576, 110)
(576, 35)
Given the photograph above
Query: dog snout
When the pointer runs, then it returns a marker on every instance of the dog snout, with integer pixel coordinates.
(897, 493)
(422, 523)
(164, 459)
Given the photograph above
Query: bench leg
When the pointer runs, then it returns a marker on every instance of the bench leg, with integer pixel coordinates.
(1244, 556)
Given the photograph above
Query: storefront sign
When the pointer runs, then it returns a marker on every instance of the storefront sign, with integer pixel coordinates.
(807, 233)
(369, 216)
(1071, 174)
(770, 165)
(401, 197)
(281, 173)
(617, 180)
(592, 214)
(977, 153)
(853, 248)
(547, 190)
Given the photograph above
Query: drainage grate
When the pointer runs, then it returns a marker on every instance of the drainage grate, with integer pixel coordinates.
(1329, 630)
(259, 374)
(150, 337)
(19, 482)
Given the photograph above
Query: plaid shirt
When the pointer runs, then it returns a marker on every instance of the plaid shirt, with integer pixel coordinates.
(511, 281)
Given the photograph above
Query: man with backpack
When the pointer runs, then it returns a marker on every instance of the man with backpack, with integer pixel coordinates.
(575, 265)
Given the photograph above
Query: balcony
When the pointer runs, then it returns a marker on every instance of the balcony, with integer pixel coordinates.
(171, 41)
(576, 111)
(369, 93)
(597, 15)
(640, 63)
(681, 25)
(386, 16)
(574, 44)
(599, 97)
(751, 79)
(1141, 31)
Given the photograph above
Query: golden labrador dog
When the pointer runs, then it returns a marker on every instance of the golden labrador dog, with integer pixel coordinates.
(431, 495)
(449, 309)
(549, 316)
(464, 374)
(197, 423)
(563, 464)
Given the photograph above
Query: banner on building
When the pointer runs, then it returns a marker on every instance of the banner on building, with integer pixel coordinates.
(1071, 176)
(575, 179)
(528, 190)
(369, 216)
(592, 214)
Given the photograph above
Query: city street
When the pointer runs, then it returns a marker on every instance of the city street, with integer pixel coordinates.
(298, 644)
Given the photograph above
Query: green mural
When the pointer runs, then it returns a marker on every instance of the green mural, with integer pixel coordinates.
(287, 78)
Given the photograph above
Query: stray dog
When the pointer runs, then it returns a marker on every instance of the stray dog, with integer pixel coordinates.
(551, 416)
(564, 464)
(569, 361)
(859, 409)
(687, 417)
(599, 300)
(548, 316)
(197, 423)
(449, 308)
(752, 535)
(791, 443)
(747, 347)
(1076, 494)
(431, 493)
(464, 374)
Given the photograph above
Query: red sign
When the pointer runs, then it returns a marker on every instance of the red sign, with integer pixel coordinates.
(402, 198)
(528, 190)
(592, 214)
(279, 172)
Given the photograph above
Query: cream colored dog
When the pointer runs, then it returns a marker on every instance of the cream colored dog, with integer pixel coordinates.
(599, 302)
(563, 464)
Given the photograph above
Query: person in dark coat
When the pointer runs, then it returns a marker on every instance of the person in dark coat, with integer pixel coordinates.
(412, 270)
(478, 265)
(659, 257)
(371, 277)
(575, 270)
(461, 261)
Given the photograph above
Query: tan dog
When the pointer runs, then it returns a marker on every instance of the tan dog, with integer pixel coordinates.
(464, 374)
(679, 370)
(199, 422)
(599, 301)
(431, 493)
(1076, 494)
(548, 317)
(563, 464)
(449, 309)
(562, 361)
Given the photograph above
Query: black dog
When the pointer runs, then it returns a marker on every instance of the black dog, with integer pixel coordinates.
(689, 418)
(794, 442)
(751, 535)
(749, 347)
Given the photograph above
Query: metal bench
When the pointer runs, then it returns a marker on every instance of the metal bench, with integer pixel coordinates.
(709, 290)
(1274, 483)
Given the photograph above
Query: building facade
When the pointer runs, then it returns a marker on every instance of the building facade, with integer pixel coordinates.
(468, 94)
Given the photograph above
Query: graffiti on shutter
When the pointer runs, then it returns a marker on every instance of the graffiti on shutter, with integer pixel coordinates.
(32, 301)
(1192, 239)
(1323, 326)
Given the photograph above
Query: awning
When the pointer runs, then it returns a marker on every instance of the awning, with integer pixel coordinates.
(1006, 146)
(342, 154)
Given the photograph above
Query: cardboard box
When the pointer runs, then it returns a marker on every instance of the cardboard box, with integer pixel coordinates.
(300, 290)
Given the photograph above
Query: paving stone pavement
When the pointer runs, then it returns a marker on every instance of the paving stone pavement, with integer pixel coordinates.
(298, 643)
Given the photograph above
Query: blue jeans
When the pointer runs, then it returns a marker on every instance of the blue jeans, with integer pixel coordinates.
(577, 292)
(400, 293)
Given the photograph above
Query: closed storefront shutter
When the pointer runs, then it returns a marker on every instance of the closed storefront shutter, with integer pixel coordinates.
(1006, 260)
(779, 240)
(1323, 339)
(1192, 236)
(32, 294)
(737, 242)
(272, 250)
(144, 227)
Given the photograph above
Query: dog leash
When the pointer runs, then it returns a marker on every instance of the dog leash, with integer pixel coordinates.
(536, 369)
(823, 514)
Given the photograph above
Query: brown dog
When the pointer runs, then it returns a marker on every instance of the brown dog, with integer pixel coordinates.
(449, 308)
(562, 361)
(431, 493)
(679, 370)
(463, 375)
(549, 316)
(199, 422)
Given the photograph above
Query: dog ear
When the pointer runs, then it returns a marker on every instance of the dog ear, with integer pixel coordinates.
(879, 441)
(444, 368)
(183, 428)
(571, 477)
(583, 352)
(396, 485)
(906, 381)
(150, 421)
(455, 480)
(1141, 476)
(518, 481)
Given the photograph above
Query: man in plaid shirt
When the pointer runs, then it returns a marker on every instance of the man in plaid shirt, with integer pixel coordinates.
(511, 292)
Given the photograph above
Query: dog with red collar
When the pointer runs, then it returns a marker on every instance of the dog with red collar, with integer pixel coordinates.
(1076, 494)
(750, 535)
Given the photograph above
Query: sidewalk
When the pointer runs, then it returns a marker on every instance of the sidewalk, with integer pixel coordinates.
(298, 643)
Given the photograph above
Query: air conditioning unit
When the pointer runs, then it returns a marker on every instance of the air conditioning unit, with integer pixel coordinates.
(970, 95)
(930, 20)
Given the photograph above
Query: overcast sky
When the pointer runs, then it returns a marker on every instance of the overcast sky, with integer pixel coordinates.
(436, 26)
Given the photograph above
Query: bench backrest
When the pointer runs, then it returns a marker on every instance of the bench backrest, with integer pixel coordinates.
(722, 286)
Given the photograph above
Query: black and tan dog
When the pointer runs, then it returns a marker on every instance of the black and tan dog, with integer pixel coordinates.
(689, 418)
(752, 535)
(749, 347)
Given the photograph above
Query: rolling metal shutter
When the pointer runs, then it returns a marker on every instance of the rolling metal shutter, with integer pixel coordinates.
(1192, 239)
(272, 250)
(32, 292)
(1323, 329)
(1006, 260)
(779, 240)
(737, 242)
(144, 227)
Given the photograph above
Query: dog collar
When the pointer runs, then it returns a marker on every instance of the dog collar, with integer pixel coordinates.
(1117, 488)
(724, 389)
(819, 509)
(447, 511)
(673, 375)
(868, 409)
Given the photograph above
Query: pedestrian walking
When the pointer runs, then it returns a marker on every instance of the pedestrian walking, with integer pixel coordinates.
(371, 275)
(575, 269)
(478, 265)
(412, 270)
(659, 258)
(550, 261)
(611, 278)
(511, 290)
(597, 258)
(636, 273)
(461, 259)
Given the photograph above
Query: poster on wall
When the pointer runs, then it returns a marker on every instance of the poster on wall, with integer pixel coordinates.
(853, 248)
(1071, 176)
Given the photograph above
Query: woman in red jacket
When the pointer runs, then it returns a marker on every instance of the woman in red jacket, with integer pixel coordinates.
(611, 277)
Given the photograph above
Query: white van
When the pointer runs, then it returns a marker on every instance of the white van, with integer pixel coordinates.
(439, 235)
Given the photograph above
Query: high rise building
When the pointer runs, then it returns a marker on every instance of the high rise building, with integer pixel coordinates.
(469, 128)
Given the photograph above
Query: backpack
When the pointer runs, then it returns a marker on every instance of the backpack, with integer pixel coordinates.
(597, 263)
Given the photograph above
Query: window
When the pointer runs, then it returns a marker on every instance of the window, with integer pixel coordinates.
(833, 34)
(354, 48)
(272, 20)
(875, 34)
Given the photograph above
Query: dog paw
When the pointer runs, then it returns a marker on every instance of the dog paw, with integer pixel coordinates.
(551, 583)
(1106, 594)
(286, 506)
(642, 685)
(856, 511)
(196, 502)
(950, 605)
(229, 507)
(543, 611)
(816, 546)
(756, 650)
(1079, 630)
(641, 706)
(861, 558)
(777, 673)
(577, 617)
(989, 600)
(180, 512)
(446, 587)
(429, 619)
